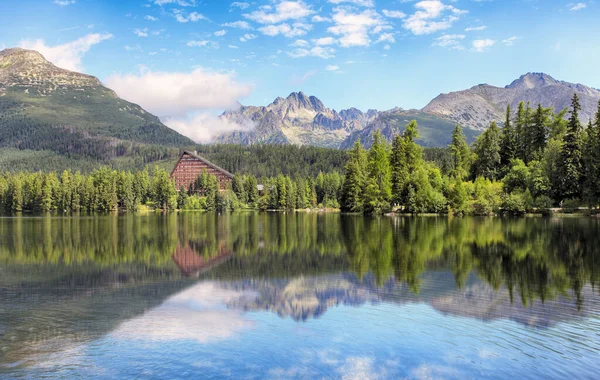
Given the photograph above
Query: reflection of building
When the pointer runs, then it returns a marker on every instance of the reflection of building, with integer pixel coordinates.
(190, 166)
(192, 263)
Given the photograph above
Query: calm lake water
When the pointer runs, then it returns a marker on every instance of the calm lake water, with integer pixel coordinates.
(299, 296)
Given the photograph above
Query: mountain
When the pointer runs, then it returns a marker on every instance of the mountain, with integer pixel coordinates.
(304, 120)
(55, 118)
(478, 106)
(298, 119)
(433, 131)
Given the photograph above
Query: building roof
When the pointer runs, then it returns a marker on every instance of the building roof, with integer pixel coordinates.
(207, 162)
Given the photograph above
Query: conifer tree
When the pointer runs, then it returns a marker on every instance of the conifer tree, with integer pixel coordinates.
(251, 190)
(509, 148)
(570, 168)
(487, 151)
(379, 182)
(237, 185)
(399, 169)
(354, 180)
(520, 131)
(538, 133)
(461, 154)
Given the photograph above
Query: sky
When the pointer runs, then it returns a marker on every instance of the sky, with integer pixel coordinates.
(187, 60)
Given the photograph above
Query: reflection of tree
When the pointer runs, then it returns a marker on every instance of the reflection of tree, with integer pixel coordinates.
(533, 258)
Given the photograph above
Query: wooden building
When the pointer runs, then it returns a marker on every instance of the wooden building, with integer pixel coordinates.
(191, 165)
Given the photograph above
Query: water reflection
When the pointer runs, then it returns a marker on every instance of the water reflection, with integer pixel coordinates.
(204, 278)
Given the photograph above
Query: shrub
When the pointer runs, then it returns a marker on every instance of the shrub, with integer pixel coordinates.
(515, 204)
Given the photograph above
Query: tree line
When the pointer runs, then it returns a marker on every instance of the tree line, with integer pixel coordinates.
(536, 161)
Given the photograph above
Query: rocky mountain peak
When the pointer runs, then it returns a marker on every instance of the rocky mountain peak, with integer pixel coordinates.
(22, 68)
(532, 80)
(15, 58)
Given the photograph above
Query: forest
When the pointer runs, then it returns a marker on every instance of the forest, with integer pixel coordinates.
(537, 161)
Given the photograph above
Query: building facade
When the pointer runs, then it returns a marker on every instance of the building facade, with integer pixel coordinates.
(191, 165)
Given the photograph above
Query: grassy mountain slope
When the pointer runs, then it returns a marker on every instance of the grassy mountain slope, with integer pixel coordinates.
(71, 115)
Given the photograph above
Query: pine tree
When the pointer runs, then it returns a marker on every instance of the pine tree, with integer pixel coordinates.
(538, 134)
(487, 151)
(379, 174)
(237, 185)
(570, 168)
(354, 180)
(461, 154)
(399, 169)
(520, 131)
(251, 190)
(509, 148)
(592, 162)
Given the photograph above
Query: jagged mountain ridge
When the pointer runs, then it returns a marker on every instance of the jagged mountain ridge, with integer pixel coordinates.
(304, 120)
(72, 118)
(478, 106)
(298, 119)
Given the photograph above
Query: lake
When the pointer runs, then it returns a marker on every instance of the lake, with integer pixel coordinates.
(299, 295)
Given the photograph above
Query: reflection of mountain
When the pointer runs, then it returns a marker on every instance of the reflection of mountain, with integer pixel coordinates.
(303, 298)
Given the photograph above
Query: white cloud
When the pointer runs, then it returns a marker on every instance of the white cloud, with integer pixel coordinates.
(181, 3)
(232, 46)
(483, 45)
(191, 17)
(324, 41)
(197, 43)
(450, 41)
(317, 51)
(150, 18)
(475, 28)
(69, 55)
(362, 3)
(432, 16)
(220, 33)
(577, 6)
(332, 68)
(354, 28)
(237, 25)
(300, 43)
(317, 18)
(386, 37)
(178, 94)
(248, 37)
(394, 14)
(286, 10)
(141, 32)
(204, 127)
(510, 41)
(387, 47)
(240, 5)
(296, 30)
(64, 3)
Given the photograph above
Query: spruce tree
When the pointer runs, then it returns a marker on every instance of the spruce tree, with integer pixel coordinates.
(521, 132)
(461, 154)
(570, 167)
(354, 180)
(379, 176)
(509, 148)
(487, 151)
(538, 133)
(399, 169)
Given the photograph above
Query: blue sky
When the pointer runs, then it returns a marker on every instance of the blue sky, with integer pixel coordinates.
(363, 53)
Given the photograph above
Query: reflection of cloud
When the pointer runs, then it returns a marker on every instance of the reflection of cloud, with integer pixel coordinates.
(198, 313)
(359, 368)
(427, 371)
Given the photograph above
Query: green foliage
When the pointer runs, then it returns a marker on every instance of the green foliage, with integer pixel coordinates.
(461, 154)
(487, 154)
(570, 176)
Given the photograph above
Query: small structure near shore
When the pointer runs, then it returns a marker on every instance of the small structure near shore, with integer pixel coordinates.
(191, 165)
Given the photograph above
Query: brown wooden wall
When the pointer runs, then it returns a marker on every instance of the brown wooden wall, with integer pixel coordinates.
(189, 168)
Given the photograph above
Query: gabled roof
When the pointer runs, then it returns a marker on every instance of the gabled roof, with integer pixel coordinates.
(207, 162)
